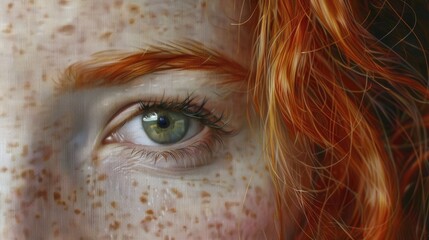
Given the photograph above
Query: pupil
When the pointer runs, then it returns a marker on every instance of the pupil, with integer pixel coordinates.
(163, 122)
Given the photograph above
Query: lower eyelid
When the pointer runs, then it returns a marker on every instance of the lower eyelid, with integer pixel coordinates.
(128, 157)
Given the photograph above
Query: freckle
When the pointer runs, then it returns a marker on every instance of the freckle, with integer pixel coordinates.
(105, 36)
(205, 194)
(177, 193)
(228, 156)
(63, 2)
(42, 194)
(228, 215)
(28, 174)
(77, 211)
(130, 226)
(164, 182)
(148, 218)
(149, 212)
(131, 21)
(203, 4)
(101, 192)
(190, 184)
(173, 210)
(134, 9)
(115, 225)
(249, 213)
(143, 199)
(27, 85)
(9, 6)
(118, 3)
(109, 216)
(57, 196)
(134, 183)
(114, 204)
(230, 170)
(95, 160)
(8, 29)
(152, 15)
(44, 77)
(18, 218)
(229, 205)
(24, 152)
(96, 205)
(56, 232)
(13, 144)
(144, 226)
(102, 177)
(67, 29)
(3, 169)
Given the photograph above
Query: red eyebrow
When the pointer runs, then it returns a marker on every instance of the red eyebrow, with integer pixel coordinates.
(113, 68)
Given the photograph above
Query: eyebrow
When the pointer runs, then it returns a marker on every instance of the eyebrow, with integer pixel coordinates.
(111, 68)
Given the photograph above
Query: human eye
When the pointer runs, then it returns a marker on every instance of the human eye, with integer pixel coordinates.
(169, 134)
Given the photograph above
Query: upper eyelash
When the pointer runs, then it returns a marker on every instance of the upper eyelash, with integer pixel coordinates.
(189, 108)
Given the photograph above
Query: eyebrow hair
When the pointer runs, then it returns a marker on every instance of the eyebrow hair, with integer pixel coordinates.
(110, 68)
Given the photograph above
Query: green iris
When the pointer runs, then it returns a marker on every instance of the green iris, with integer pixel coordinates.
(165, 127)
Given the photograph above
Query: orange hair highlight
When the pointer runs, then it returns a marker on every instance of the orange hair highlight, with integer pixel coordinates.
(345, 125)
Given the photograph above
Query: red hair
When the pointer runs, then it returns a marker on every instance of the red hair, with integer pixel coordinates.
(345, 122)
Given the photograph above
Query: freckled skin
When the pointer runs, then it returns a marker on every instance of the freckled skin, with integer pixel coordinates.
(52, 190)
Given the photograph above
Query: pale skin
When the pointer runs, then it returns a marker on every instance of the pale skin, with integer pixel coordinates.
(61, 180)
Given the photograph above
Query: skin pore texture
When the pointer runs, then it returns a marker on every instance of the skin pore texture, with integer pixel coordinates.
(60, 179)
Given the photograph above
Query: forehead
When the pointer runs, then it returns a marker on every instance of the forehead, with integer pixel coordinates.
(53, 34)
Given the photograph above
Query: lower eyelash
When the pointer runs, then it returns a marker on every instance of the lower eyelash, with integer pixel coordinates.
(197, 154)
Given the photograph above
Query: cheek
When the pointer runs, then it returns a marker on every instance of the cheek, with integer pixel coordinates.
(228, 199)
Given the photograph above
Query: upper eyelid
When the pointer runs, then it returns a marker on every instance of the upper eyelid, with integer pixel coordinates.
(134, 109)
(184, 107)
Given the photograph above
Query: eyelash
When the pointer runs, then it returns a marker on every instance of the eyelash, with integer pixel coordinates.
(189, 157)
(189, 108)
(195, 154)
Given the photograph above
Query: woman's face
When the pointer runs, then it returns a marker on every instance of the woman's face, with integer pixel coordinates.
(165, 155)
